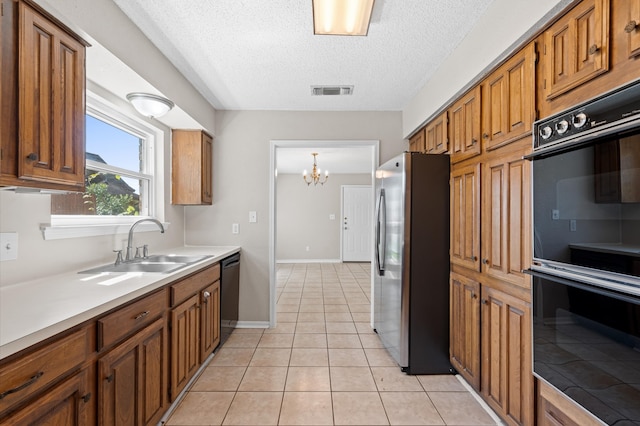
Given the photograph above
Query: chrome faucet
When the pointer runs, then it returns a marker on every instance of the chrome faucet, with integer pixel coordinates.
(129, 255)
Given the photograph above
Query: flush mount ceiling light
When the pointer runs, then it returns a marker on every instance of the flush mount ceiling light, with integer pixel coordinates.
(316, 175)
(149, 105)
(342, 17)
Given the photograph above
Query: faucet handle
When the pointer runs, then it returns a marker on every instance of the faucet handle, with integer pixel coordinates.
(118, 257)
(145, 251)
(138, 255)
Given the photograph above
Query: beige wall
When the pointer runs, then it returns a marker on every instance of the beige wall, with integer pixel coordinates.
(241, 182)
(303, 216)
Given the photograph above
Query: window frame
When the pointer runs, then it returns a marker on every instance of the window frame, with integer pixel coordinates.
(73, 226)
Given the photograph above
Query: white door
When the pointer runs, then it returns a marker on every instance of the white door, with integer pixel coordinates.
(357, 212)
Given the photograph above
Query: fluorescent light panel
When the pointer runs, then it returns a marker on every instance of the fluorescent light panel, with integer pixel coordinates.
(342, 17)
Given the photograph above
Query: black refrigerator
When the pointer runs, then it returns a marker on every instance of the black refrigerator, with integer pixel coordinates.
(411, 271)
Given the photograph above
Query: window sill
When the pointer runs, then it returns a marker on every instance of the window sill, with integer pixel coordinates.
(59, 232)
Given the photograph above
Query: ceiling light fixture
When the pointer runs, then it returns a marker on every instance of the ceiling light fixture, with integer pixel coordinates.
(342, 17)
(149, 105)
(315, 173)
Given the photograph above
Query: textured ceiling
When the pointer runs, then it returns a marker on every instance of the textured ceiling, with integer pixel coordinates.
(263, 55)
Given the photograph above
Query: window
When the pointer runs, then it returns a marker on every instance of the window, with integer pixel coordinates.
(120, 185)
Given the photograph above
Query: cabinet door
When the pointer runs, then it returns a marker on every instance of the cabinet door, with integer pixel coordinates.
(465, 328)
(509, 100)
(185, 343)
(209, 320)
(577, 47)
(416, 142)
(507, 379)
(506, 218)
(437, 141)
(207, 169)
(65, 404)
(632, 28)
(51, 98)
(465, 216)
(464, 126)
(132, 381)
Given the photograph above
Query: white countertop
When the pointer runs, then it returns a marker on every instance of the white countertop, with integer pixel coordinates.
(36, 310)
(614, 248)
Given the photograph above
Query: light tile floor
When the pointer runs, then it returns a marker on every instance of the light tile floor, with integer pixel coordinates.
(322, 365)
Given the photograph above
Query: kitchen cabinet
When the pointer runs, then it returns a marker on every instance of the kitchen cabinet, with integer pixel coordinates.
(465, 216)
(632, 27)
(554, 409)
(617, 171)
(508, 97)
(416, 142)
(507, 381)
(506, 215)
(464, 126)
(132, 381)
(465, 327)
(195, 324)
(576, 47)
(65, 404)
(436, 135)
(43, 101)
(191, 167)
(23, 380)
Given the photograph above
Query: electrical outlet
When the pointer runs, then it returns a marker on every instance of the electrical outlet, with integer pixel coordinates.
(555, 214)
(573, 225)
(332, 217)
(235, 228)
(8, 246)
(253, 217)
(307, 248)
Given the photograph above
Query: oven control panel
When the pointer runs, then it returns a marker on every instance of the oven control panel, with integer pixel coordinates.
(619, 106)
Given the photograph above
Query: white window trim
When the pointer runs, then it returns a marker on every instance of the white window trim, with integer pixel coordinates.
(78, 226)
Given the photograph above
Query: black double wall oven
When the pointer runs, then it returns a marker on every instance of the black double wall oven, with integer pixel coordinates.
(586, 266)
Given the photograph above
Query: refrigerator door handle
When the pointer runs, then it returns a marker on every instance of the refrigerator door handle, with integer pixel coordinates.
(381, 233)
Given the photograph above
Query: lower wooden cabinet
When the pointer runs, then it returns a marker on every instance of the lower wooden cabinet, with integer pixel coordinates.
(556, 410)
(132, 379)
(464, 338)
(507, 379)
(65, 404)
(209, 320)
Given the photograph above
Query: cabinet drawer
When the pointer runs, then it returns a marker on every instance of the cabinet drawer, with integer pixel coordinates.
(191, 285)
(36, 370)
(130, 318)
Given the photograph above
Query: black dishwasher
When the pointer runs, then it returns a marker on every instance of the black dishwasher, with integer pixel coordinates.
(229, 292)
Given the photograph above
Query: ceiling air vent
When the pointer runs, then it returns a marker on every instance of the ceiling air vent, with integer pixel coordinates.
(331, 90)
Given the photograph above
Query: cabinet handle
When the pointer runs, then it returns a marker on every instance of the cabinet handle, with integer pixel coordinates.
(33, 156)
(485, 261)
(206, 294)
(631, 27)
(485, 301)
(485, 136)
(474, 296)
(26, 384)
(86, 398)
(474, 141)
(141, 315)
(475, 258)
(593, 49)
(109, 378)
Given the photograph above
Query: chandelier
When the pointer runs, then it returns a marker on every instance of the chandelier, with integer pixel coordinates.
(315, 173)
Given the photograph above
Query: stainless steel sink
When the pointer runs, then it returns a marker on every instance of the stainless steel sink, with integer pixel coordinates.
(153, 264)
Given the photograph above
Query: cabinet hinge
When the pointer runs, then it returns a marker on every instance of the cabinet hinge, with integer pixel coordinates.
(1, 9)
(535, 57)
(544, 83)
(544, 49)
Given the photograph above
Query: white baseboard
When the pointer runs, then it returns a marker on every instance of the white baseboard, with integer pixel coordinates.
(252, 324)
(309, 261)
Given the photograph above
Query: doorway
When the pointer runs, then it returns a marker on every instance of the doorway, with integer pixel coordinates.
(276, 145)
(356, 229)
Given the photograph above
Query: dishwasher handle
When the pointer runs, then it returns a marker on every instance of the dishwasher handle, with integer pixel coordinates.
(230, 261)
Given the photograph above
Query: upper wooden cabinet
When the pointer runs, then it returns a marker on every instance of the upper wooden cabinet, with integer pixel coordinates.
(509, 100)
(436, 135)
(43, 85)
(191, 167)
(464, 126)
(632, 27)
(416, 142)
(576, 47)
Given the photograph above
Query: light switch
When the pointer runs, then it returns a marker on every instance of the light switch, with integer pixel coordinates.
(8, 246)
(332, 217)
(253, 217)
(555, 214)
